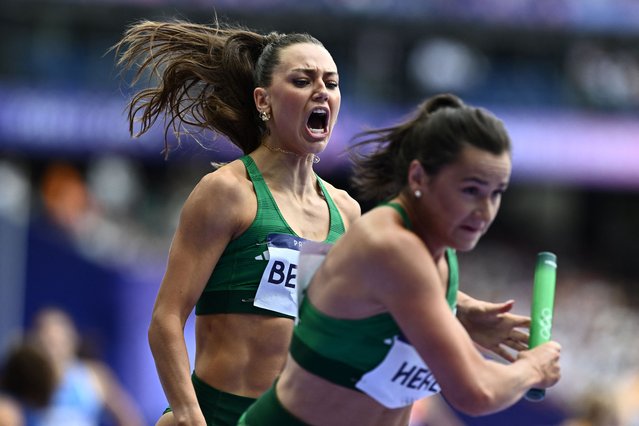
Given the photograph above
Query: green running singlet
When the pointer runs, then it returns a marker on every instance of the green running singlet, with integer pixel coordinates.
(234, 281)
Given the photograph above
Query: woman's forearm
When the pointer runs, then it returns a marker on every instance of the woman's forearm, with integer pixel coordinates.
(166, 340)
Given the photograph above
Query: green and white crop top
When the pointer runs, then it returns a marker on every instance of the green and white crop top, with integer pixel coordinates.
(264, 256)
(369, 354)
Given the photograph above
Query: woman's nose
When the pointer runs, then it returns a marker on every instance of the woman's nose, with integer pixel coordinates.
(485, 210)
(321, 93)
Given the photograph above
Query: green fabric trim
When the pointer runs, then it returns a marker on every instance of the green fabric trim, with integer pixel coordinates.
(401, 212)
(330, 369)
(269, 411)
(219, 408)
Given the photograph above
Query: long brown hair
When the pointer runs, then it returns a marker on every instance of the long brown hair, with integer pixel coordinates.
(435, 135)
(206, 76)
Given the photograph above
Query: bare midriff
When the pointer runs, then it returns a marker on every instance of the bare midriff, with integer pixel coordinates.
(332, 404)
(241, 354)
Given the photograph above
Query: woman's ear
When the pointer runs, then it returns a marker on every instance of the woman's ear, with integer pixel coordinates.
(262, 99)
(417, 176)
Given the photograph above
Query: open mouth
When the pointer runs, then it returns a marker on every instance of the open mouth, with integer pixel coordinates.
(318, 121)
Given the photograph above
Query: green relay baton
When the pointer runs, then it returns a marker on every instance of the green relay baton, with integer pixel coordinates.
(541, 311)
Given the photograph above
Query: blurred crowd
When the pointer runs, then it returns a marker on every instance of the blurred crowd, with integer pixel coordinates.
(47, 379)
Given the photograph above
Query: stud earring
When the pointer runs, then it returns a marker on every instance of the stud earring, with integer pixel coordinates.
(264, 116)
(417, 193)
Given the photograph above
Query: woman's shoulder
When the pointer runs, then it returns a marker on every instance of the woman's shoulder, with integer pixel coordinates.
(347, 205)
(229, 180)
(394, 261)
(382, 232)
(226, 191)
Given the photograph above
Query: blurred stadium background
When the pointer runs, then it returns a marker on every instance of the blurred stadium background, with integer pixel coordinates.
(87, 213)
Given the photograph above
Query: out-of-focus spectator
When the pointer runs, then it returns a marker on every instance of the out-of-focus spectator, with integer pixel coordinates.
(628, 400)
(10, 414)
(27, 382)
(80, 207)
(596, 408)
(65, 196)
(86, 388)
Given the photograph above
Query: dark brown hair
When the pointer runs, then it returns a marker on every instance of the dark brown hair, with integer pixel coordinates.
(434, 135)
(28, 375)
(206, 76)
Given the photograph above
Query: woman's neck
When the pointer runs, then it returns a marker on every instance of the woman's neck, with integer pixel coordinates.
(286, 169)
(308, 157)
(420, 225)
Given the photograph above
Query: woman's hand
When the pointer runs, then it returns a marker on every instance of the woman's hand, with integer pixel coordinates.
(492, 326)
(545, 359)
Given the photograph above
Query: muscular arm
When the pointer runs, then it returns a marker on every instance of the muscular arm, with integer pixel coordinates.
(211, 217)
(412, 290)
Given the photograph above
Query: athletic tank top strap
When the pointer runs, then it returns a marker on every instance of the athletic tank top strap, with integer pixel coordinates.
(401, 212)
(337, 227)
(264, 196)
(453, 278)
(451, 258)
(265, 199)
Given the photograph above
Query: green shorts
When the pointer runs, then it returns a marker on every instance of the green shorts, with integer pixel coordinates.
(219, 408)
(268, 411)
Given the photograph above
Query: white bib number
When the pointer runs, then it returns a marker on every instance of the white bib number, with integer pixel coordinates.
(400, 379)
(312, 255)
(277, 290)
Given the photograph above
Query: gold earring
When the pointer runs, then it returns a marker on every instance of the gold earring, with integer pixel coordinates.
(264, 116)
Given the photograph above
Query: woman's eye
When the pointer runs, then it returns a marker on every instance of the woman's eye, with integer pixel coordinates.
(332, 85)
(300, 82)
(471, 191)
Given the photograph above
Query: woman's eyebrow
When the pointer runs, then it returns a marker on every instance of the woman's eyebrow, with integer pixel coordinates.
(483, 182)
(314, 71)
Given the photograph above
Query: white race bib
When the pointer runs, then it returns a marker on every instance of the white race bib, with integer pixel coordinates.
(277, 290)
(312, 255)
(400, 379)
